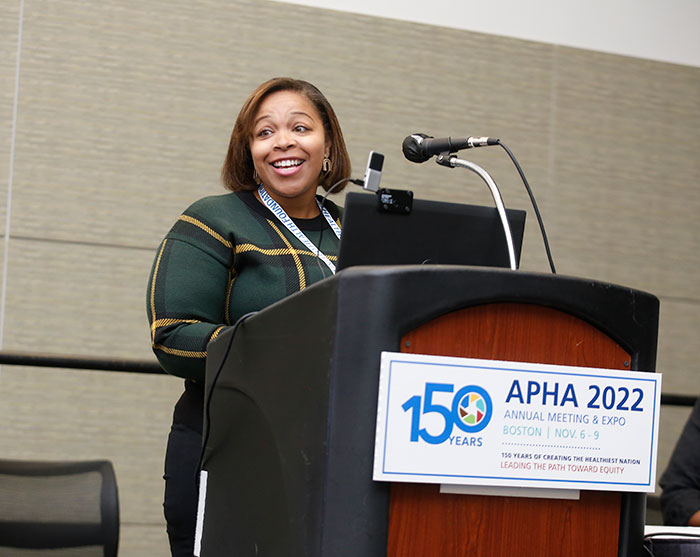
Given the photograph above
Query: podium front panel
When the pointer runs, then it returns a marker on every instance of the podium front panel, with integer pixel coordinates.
(291, 422)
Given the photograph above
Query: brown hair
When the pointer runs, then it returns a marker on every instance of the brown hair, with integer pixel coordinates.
(237, 172)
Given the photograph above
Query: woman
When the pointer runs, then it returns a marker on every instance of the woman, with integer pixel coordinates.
(232, 254)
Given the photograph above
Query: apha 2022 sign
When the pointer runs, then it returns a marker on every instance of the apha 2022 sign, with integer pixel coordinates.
(485, 422)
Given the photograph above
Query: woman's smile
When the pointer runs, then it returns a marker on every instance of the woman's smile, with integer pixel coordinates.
(287, 167)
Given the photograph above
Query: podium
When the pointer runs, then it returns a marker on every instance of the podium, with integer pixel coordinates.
(291, 422)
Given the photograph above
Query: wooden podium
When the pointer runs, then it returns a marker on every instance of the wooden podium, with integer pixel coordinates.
(291, 420)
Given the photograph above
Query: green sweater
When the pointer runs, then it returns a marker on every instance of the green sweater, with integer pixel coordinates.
(226, 256)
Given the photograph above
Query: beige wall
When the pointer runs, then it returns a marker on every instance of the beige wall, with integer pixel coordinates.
(123, 116)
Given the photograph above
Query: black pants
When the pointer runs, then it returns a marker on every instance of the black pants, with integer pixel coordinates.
(181, 482)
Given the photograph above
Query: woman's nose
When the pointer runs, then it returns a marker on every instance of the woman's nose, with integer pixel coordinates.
(285, 140)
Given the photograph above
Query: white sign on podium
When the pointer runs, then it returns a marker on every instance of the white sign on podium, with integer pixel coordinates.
(493, 423)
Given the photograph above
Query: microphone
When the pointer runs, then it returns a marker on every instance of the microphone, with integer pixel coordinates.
(373, 174)
(419, 147)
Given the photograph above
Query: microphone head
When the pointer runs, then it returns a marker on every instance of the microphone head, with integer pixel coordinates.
(412, 148)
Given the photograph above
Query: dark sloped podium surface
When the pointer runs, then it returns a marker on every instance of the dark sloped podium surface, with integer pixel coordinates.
(291, 431)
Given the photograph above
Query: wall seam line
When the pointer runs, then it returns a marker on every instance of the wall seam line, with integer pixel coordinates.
(10, 179)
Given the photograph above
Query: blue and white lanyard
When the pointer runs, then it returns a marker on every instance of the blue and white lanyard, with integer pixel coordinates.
(292, 227)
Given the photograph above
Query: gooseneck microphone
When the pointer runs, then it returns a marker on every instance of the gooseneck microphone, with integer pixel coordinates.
(419, 147)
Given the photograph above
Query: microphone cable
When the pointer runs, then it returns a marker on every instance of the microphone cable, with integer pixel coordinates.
(534, 204)
(207, 407)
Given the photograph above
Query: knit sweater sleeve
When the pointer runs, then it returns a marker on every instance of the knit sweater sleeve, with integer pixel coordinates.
(187, 293)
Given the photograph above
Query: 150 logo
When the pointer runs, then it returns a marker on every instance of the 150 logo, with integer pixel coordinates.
(470, 410)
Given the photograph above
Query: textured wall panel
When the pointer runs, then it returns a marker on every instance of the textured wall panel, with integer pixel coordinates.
(678, 346)
(9, 25)
(77, 299)
(118, 119)
(627, 192)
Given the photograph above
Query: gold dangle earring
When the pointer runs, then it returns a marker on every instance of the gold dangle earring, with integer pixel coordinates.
(326, 164)
(256, 178)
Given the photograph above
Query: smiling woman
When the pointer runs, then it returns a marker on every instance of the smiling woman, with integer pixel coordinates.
(289, 147)
(232, 254)
(266, 103)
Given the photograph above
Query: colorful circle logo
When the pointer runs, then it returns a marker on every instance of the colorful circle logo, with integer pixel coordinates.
(472, 408)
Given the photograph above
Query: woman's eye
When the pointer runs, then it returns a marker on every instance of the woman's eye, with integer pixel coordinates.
(300, 128)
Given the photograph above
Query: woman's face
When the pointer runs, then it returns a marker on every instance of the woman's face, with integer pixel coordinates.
(288, 145)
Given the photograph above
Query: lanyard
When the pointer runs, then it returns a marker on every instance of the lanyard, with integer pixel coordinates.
(292, 227)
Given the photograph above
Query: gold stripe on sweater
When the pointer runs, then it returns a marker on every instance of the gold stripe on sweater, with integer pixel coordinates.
(185, 353)
(153, 290)
(232, 275)
(208, 230)
(294, 254)
(167, 322)
(178, 352)
(242, 248)
(216, 333)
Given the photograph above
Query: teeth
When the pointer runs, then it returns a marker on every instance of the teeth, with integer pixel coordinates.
(287, 163)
